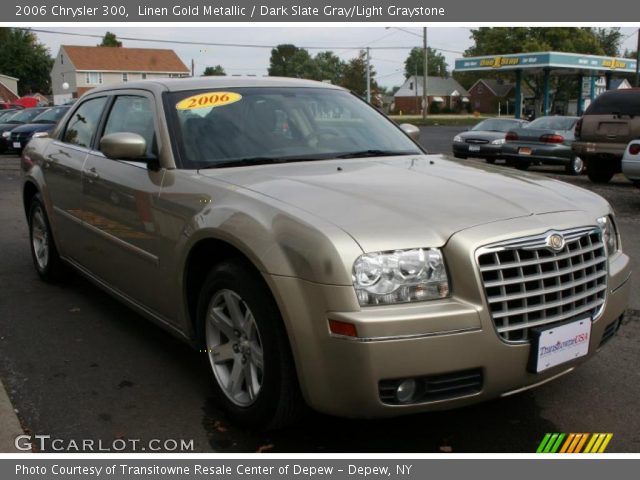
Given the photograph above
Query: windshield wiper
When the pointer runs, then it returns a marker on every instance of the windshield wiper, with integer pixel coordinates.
(375, 153)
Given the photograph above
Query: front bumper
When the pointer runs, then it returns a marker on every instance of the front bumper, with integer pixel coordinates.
(485, 150)
(342, 375)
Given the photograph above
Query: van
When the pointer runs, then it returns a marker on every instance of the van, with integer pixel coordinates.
(605, 130)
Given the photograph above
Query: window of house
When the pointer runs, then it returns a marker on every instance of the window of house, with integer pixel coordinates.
(61, 59)
(125, 77)
(93, 78)
(480, 90)
(411, 86)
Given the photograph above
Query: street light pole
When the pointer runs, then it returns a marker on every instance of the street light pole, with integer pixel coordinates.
(424, 75)
(368, 76)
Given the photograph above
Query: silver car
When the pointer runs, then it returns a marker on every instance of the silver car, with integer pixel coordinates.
(313, 253)
(631, 162)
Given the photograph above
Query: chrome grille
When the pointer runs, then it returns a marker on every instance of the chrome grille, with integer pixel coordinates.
(527, 284)
(479, 141)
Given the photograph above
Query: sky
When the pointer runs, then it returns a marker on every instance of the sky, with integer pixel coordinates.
(389, 46)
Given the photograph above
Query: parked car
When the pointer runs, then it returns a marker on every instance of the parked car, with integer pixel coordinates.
(20, 118)
(331, 261)
(10, 106)
(6, 114)
(606, 128)
(546, 140)
(485, 139)
(631, 162)
(40, 126)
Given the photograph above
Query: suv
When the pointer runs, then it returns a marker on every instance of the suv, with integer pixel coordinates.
(309, 249)
(605, 130)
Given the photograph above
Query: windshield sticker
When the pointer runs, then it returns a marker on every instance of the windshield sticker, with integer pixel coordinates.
(208, 100)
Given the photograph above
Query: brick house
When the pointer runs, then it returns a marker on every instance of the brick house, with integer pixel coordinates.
(80, 68)
(490, 95)
(447, 93)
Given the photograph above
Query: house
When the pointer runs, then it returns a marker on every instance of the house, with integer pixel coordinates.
(442, 93)
(600, 87)
(77, 69)
(490, 95)
(8, 89)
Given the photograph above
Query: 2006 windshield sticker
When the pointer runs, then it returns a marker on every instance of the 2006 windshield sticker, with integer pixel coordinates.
(208, 100)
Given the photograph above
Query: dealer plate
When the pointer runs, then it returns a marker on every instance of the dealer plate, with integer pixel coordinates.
(524, 151)
(474, 148)
(16, 145)
(553, 346)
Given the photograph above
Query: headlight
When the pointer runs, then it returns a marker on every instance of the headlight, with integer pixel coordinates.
(457, 139)
(400, 276)
(609, 234)
(40, 134)
(6, 134)
(498, 141)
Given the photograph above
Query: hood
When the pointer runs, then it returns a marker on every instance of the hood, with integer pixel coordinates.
(409, 201)
(482, 134)
(8, 126)
(34, 127)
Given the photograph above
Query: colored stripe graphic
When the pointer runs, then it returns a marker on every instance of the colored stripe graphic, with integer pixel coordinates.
(574, 443)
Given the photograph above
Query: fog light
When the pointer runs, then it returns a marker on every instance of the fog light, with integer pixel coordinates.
(406, 391)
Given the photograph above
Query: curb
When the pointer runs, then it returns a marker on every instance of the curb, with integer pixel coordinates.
(9, 424)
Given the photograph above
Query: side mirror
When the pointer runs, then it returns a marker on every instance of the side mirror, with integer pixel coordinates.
(123, 145)
(411, 130)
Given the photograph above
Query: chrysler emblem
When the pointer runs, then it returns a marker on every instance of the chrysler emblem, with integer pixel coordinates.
(555, 241)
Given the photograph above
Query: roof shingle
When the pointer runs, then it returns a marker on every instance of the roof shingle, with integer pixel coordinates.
(119, 59)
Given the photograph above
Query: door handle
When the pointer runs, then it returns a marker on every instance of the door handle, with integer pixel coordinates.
(92, 173)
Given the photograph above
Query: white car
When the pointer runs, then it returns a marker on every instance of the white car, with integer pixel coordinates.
(631, 162)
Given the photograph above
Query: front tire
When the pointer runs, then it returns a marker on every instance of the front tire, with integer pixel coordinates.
(246, 347)
(522, 165)
(575, 166)
(44, 253)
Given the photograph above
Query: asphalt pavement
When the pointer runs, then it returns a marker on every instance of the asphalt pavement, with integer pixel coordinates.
(77, 364)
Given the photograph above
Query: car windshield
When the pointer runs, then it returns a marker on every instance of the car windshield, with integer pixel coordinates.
(493, 125)
(26, 115)
(241, 126)
(4, 116)
(553, 123)
(51, 116)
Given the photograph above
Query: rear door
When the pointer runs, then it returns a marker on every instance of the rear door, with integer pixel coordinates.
(62, 167)
(118, 199)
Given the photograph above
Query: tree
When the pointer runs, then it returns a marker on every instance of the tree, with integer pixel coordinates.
(216, 71)
(355, 76)
(329, 67)
(110, 40)
(437, 65)
(21, 56)
(289, 61)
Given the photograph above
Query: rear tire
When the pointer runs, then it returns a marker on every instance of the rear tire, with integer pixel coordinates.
(599, 171)
(44, 253)
(575, 166)
(522, 165)
(245, 344)
(457, 155)
(490, 160)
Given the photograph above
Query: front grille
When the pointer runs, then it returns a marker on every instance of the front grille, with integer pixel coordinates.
(435, 387)
(528, 285)
(477, 141)
(16, 137)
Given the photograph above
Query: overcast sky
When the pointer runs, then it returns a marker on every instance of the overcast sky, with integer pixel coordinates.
(343, 41)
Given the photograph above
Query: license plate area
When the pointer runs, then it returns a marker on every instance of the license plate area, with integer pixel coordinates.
(554, 345)
(524, 151)
(474, 148)
(16, 145)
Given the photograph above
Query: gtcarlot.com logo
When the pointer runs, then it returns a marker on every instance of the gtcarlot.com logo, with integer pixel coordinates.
(47, 443)
(574, 443)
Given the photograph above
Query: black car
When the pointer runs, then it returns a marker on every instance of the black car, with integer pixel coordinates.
(24, 116)
(40, 126)
(485, 140)
(7, 114)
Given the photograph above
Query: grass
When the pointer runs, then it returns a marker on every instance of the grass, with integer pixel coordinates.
(441, 119)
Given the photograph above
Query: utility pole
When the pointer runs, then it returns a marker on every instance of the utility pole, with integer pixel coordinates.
(368, 76)
(425, 97)
(193, 68)
(637, 79)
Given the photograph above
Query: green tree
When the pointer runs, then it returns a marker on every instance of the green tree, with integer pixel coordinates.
(290, 61)
(437, 65)
(216, 71)
(21, 56)
(355, 76)
(329, 67)
(110, 40)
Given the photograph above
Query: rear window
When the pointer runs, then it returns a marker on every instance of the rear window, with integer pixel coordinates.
(616, 103)
(553, 123)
